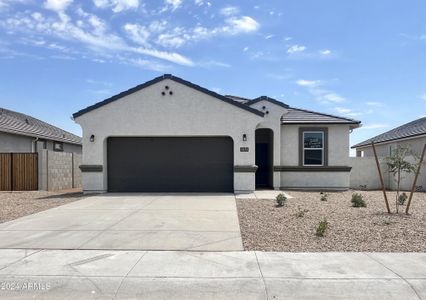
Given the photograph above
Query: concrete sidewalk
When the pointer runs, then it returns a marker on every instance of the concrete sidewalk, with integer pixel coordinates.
(90, 274)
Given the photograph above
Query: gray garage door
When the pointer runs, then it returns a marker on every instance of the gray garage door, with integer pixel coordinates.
(170, 164)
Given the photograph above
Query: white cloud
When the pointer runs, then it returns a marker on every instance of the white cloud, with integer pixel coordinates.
(94, 34)
(269, 36)
(423, 97)
(169, 56)
(245, 49)
(308, 83)
(138, 34)
(117, 5)
(214, 64)
(333, 97)
(347, 112)
(57, 5)
(229, 11)
(296, 49)
(314, 87)
(325, 52)
(148, 64)
(171, 5)
(242, 24)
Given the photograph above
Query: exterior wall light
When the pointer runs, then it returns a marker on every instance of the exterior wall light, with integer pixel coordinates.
(92, 138)
(245, 137)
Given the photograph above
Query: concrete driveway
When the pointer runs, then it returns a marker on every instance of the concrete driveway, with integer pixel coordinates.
(204, 222)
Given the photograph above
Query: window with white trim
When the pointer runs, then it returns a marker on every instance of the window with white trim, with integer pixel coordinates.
(313, 148)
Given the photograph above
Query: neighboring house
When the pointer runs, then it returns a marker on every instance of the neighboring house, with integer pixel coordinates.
(364, 172)
(23, 133)
(170, 135)
(411, 135)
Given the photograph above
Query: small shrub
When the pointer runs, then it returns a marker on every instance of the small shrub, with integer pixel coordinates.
(388, 222)
(301, 212)
(281, 199)
(402, 198)
(322, 227)
(358, 201)
(324, 196)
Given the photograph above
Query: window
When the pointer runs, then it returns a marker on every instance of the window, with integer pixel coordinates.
(313, 148)
(58, 146)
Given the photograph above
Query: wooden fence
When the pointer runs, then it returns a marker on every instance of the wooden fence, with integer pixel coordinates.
(18, 171)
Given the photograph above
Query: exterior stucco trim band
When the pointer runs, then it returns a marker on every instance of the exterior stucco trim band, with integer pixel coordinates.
(245, 169)
(91, 168)
(312, 169)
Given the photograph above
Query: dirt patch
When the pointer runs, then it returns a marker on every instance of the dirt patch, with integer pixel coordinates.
(292, 227)
(14, 205)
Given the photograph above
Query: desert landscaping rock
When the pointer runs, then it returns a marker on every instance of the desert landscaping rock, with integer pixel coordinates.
(266, 227)
(18, 204)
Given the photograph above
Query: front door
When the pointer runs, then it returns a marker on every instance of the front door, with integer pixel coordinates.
(264, 163)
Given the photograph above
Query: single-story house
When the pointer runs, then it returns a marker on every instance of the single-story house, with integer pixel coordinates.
(411, 135)
(170, 135)
(20, 133)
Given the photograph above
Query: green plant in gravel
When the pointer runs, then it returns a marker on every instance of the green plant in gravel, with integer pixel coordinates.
(402, 198)
(399, 165)
(358, 200)
(280, 199)
(324, 196)
(322, 228)
(301, 212)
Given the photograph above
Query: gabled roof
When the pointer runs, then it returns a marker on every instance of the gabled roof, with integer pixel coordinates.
(411, 129)
(176, 79)
(299, 116)
(269, 99)
(238, 98)
(21, 124)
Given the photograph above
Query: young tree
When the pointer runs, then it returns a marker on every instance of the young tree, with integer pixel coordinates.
(398, 164)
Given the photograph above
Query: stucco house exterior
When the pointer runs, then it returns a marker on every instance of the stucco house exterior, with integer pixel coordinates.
(411, 135)
(20, 133)
(170, 135)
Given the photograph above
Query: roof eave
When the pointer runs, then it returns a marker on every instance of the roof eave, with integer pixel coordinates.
(368, 142)
(17, 132)
(158, 79)
(268, 99)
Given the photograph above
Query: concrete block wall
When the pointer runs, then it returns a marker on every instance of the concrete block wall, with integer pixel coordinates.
(364, 175)
(59, 170)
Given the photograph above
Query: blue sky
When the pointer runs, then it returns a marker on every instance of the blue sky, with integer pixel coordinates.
(361, 59)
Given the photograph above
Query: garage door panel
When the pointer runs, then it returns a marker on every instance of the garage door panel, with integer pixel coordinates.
(160, 164)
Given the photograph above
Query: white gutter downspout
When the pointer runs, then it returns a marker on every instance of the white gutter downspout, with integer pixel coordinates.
(33, 145)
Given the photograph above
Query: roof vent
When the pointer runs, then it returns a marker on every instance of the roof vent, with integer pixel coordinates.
(26, 121)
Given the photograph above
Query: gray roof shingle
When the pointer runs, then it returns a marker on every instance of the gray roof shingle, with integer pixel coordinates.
(298, 115)
(18, 123)
(411, 129)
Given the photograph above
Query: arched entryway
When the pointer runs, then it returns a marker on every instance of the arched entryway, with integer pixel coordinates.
(264, 138)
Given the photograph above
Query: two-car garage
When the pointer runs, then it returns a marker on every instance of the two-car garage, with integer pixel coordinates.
(170, 164)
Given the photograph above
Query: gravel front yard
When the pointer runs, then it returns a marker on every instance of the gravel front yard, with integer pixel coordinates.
(269, 228)
(14, 205)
